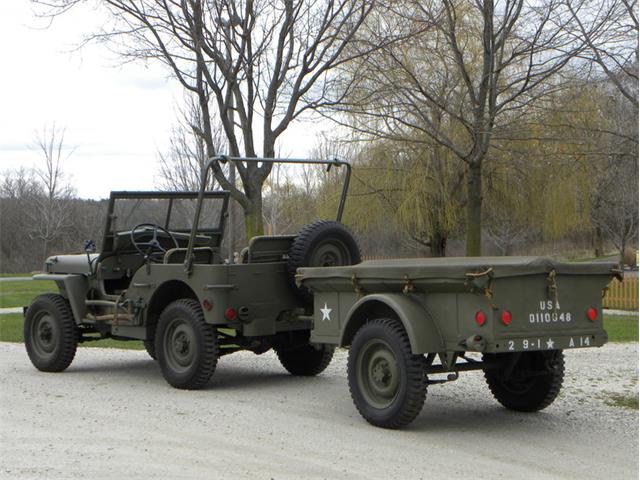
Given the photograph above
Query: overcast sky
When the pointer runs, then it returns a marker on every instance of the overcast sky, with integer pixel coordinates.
(117, 118)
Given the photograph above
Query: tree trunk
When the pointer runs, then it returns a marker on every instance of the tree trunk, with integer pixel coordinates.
(598, 243)
(474, 210)
(254, 225)
(437, 244)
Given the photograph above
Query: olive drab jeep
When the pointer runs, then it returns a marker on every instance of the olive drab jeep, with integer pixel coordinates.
(160, 279)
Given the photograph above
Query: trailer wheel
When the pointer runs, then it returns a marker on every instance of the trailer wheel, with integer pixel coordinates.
(387, 381)
(527, 381)
(306, 361)
(321, 244)
(50, 333)
(186, 346)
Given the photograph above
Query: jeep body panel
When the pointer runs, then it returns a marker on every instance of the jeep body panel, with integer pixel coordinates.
(73, 287)
(249, 289)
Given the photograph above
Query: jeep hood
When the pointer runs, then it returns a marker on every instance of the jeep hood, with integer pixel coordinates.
(78, 264)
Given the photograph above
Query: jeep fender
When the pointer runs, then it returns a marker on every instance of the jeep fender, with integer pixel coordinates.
(73, 288)
(421, 329)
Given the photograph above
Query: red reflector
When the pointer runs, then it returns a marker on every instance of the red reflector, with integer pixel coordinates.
(592, 314)
(480, 317)
(230, 313)
(206, 304)
(506, 317)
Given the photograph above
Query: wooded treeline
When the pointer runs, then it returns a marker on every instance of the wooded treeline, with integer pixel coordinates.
(474, 127)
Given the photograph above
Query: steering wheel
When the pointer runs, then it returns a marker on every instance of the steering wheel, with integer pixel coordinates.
(152, 244)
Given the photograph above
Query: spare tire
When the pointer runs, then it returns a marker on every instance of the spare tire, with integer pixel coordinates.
(321, 244)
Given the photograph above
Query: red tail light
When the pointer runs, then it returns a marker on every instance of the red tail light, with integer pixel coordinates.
(592, 314)
(230, 313)
(480, 318)
(506, 317)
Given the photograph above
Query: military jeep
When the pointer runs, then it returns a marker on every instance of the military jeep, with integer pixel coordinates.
(160, 278)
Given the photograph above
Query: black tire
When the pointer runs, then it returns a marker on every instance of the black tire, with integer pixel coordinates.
(150, 347)
(186, 346)
(306, 361)
(321, 244)
(534, 381)
(387, 382)
(50, 333)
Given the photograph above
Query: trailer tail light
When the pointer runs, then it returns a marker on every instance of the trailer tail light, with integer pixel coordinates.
(592, 314)
(506, 317)
(480, 318)
(230, 313)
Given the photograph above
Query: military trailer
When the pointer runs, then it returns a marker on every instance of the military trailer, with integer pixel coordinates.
(160, 278)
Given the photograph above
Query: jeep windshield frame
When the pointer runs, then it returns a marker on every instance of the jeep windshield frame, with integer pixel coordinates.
(213, 161)
(216, 231)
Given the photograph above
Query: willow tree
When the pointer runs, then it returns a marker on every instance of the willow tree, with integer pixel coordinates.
(462, 80)
(253, 65)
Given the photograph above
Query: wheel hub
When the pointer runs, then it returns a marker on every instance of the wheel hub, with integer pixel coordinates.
(379, 374)
(181, 343)
(45, 332)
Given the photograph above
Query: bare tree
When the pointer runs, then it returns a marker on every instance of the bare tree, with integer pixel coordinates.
(51, 214)
(463, 80)
(18, 188)
(610, 30)
(254, 66)
(182, 164)
(614, 203)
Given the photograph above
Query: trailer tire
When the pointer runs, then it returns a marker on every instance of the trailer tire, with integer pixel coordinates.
(306, 361)
(50, 333)
(186, 346)
(387, 381)
(526, 389)
(320, 244)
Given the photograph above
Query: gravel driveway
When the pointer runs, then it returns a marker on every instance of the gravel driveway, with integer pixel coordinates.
(111, 415)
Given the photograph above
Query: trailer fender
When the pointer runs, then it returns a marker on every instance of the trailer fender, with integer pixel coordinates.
(74, 288)
(420, 327)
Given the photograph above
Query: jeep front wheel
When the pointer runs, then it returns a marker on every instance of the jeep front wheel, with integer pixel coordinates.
(185, 345)
(386, 380)
(50, 333)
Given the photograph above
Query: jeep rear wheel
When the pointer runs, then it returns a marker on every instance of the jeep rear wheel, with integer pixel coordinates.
(527, 381)
(186, 346)
(386, 380)
(50, 333)
(306, 360)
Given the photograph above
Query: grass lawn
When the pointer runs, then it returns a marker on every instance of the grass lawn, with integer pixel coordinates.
(4, 275)
(11, 331)
(18, 294)
(621, 329)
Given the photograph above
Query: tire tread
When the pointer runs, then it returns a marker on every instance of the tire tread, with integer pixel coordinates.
(69, 333)
(534, 404)
(416, 378)
(208, 339)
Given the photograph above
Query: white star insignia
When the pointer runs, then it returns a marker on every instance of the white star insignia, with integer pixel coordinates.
(549, 344)
(325, 312)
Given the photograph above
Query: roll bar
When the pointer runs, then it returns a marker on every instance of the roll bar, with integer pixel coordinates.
(296, 161)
